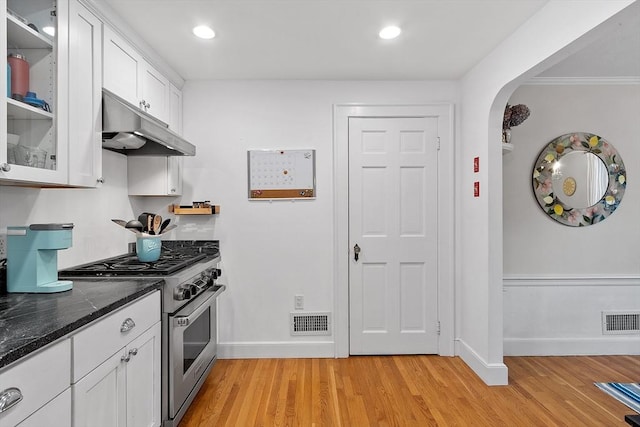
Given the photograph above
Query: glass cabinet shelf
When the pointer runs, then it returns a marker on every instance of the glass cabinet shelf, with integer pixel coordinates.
(17, 110)
(25, 37)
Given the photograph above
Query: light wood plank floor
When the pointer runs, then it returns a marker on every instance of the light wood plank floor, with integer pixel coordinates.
(410, 391)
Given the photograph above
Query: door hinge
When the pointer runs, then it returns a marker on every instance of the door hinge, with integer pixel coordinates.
(438, 327)
(438, 143)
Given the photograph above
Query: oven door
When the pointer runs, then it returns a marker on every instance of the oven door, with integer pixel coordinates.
(192, 345)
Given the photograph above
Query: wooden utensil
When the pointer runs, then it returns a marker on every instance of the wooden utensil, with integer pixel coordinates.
(157, 222)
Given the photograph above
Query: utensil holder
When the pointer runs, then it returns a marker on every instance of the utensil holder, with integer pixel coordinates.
(148, 248)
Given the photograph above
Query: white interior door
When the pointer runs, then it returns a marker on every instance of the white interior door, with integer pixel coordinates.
(393, 189)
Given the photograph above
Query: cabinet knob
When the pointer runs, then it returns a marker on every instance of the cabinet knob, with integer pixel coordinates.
(9, 398)
(127, 325)
(100, 180)
(131, 353)
(5, 167)
(141, 104)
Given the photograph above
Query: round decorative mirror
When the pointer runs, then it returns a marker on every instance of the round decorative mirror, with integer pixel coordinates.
(579, 179)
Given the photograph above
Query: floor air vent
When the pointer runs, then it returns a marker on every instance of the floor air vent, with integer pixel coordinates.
(310, 324)
(619, 323)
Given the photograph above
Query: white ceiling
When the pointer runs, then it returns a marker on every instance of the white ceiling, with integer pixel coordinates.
(324, 39)
(337, 39)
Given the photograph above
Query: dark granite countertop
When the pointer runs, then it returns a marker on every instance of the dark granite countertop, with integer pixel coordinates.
(31, 321)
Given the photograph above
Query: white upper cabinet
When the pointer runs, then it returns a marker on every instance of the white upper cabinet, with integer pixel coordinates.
(85, 97)
(61, 146)
(175, 109)
(129, 76)
(30, 149)
(122, 67)
(155, 93)
(155, 176)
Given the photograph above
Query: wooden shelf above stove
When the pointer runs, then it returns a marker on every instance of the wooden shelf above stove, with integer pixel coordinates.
(190, 210)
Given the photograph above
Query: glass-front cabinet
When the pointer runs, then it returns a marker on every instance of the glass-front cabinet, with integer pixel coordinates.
(29, 148)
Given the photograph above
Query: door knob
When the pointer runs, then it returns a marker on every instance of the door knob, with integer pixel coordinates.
(356, 252)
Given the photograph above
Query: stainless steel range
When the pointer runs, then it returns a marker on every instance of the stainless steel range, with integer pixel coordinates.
(189, 330)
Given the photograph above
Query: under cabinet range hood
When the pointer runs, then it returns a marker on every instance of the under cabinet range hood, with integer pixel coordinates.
(128, 130)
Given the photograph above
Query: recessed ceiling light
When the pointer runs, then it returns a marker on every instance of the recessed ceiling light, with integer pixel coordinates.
(390, 32)
(204, 32)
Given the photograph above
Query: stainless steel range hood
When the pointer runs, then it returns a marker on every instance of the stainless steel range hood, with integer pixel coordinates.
(128, 130)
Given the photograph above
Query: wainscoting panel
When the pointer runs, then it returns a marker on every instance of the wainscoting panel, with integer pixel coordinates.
(563, 315)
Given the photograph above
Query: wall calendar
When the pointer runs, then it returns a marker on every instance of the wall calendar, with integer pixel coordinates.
(282, 174)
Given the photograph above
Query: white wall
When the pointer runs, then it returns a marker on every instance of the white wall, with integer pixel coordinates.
(274, 250)
(558, 279)
(539, 43)
(90, 210)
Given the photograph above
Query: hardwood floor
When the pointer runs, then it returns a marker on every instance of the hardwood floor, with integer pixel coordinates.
(410, 391)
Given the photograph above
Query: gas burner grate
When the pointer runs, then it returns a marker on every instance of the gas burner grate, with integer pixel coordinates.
(175, 255)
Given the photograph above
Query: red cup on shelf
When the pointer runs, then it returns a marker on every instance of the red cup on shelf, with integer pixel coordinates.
(19, 75)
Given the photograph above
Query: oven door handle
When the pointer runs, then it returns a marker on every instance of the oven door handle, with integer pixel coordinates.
(184, 320)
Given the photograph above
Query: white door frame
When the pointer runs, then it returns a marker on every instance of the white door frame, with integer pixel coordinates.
(446, 215)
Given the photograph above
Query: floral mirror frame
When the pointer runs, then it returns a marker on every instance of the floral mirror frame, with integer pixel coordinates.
(550, 157)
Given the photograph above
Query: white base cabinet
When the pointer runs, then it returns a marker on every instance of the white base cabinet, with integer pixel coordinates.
(113, 380)
(125, 389)
(59, 409)
(116, 371)
(38, 379)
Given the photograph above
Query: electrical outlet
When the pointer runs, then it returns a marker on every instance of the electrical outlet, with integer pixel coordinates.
(3, 246)
(299, 302)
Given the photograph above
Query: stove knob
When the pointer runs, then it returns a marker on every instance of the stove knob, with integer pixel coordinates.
(193, 289)
(216, 273)
(182, 294)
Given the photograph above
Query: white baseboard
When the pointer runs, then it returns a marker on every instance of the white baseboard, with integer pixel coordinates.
(490, 373)
(572, 346)
(276, 350)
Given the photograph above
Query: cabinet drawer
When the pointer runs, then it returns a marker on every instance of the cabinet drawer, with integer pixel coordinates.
(99, 341)
(59, 409)
(39, 378)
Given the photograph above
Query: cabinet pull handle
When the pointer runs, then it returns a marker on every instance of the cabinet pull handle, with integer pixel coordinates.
(127, 325)
(9, 398)
(5, 167)
(132, 352)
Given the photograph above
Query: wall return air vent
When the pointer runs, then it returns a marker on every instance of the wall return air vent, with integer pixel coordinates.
(620, 323)
(310, 323)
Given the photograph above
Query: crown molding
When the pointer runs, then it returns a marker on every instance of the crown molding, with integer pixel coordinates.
(551, 81)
